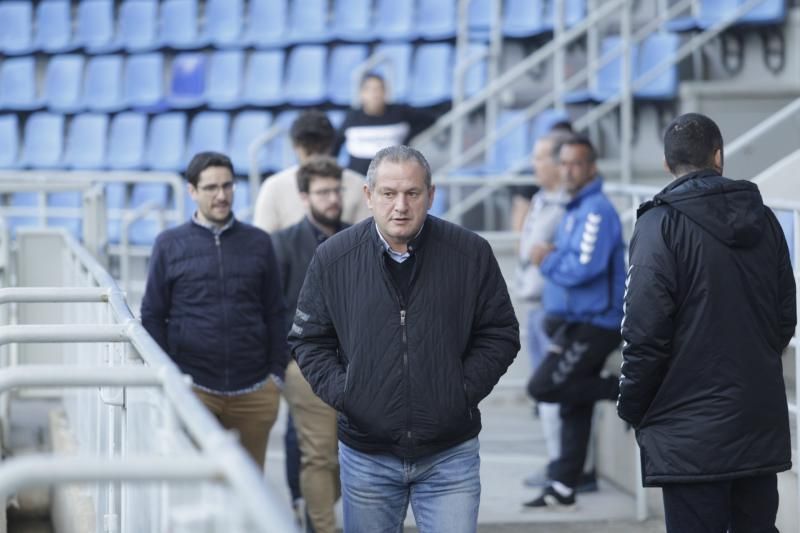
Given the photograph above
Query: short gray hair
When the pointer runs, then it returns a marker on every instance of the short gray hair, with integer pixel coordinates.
(397, 154)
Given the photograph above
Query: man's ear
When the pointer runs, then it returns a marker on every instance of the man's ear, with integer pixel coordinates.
(666, 166)
(368, 196)
(718, 160)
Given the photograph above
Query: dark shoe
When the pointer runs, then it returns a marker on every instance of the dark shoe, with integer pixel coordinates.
(551, 499)
(586, 483)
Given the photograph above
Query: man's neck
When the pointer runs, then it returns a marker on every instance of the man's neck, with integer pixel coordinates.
(324, 228)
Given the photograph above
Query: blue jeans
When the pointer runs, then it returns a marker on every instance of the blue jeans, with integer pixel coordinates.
(444, 490)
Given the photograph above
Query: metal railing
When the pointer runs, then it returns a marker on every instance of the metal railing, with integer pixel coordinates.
(140, 433)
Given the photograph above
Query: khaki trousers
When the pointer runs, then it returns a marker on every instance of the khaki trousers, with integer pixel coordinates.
(315, 423)
(251, 415)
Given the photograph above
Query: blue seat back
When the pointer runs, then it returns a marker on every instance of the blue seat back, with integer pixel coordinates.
(352, 20)
(179, 24)
(63, 80)
(343, 61)
(166, 142)
(95, 24)
(44, 140)
(102, 87)
(397, 70)
(525, 18)
(208, 131)
(267, 23)
(263, 84)
(223, 26)
(86, 141)
(436, 19)
(308, 21)
(394, 20)
(512, 150)
(432, 75)
(305, 75)
(9, 141)
(126, 141)
(767, 12)
(476, 76)
(543, 122)
(53, 26)
(224, 79)
(248, 125)
(138, 25)
(188, 84)
(652, 51)
(609, 76)
(18, 83)
(16, 27)
(144, 80)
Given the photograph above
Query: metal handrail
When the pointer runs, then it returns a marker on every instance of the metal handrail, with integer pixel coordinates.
(253, 149)
(223, 458)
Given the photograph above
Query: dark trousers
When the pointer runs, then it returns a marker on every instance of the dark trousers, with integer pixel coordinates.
(747, 505)
(292, 449)
(570, 376)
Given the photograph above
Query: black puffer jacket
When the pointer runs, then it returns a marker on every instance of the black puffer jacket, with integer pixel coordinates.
(406, 376)
(709, 308)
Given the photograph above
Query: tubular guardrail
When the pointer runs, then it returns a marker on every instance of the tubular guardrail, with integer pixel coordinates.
(206, 453)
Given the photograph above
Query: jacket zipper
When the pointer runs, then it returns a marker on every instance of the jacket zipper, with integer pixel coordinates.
(218, 244)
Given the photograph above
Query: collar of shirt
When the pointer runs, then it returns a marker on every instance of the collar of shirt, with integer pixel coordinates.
(213, 228)
(320, 235)
(396, 256)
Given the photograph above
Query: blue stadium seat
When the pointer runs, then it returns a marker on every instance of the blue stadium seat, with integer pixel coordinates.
(352, 21)
(9, 141)
(479, 19)
(116, 199)
(54, 27)
(166, 142)
(96, 26)
(44, 140)
(308, 21)
(62, 84)
(144, 231)
(224, 80)
(188, 84)
(263, 82)
(525, 18)
(477, 74)
(431, 78)
(102, 86)
(710, 12)
(16, 28)
(281, 154)
(396, 71)
(241, 197)
(343, 61)
(652, 51)
(179, 25)
(305, 75)
(248, 125)
(138, 25)
(767, 13)
(608, 76)
(266, 23)
(208, 131)
(126, 141)
(86, 142)
(144, 81)
(223, 22)
(18, 84)
(436, 19)
(544, 122)
(574, 12)
(512, 150)
(394, 20)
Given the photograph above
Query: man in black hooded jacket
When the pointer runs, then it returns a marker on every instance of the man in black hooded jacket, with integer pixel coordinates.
(709, 308)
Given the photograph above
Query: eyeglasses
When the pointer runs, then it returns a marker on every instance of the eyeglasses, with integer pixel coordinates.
(333, 191)
(213, 190)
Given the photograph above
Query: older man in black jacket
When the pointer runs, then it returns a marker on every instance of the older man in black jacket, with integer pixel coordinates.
(213, 302)
(709, 308)
(403, 325)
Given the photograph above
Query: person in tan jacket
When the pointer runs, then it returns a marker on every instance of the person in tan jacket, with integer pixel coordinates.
(278, 204)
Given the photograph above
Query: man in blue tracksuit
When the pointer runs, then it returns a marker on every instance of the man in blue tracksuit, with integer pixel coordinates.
(584, 271)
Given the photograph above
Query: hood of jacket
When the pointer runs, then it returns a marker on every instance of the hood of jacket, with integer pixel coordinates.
(730, 210)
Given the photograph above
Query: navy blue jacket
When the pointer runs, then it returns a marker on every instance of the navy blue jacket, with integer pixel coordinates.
(586, 272)
(405, 372)
(709, 308)
(215, 305)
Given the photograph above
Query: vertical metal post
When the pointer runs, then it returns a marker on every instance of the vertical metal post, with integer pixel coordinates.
(559, 56)
(592, 48)
(626, 106)
(462, 46)
(495, 53)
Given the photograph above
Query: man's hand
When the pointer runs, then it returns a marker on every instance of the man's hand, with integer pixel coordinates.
(539, 251)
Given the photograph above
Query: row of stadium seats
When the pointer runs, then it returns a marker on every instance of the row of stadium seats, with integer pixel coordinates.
(131, 141)
(144, 25)
(228, 79)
